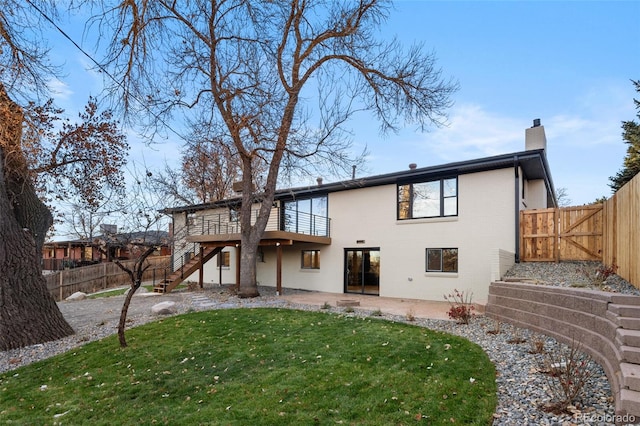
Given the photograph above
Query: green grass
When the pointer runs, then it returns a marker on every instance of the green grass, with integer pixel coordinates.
(259, 366)
(121, 291)
(110, 293)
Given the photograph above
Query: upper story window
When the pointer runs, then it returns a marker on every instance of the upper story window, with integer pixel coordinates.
(436, 198)
(307, 216)
(234, 214)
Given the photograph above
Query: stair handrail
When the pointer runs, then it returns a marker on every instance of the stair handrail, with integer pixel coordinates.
(182, 248)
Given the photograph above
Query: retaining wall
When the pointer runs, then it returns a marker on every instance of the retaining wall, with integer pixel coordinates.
(606, 324)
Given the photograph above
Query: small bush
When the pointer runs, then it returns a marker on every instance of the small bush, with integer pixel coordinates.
(598, 275)
(517, 337)
(495, 329)
(461, 309)
(410, 316)
(568, 371)
(537, 346)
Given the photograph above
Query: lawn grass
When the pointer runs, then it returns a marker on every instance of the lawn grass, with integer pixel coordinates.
(259, 366)
(121, 291)
(109, 293)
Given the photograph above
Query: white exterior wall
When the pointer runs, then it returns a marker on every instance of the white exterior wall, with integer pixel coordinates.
(484, 232)
(211, 273)
(536, 195)
(485, 223)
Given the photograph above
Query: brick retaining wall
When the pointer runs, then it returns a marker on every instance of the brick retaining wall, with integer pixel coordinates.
(606, 324)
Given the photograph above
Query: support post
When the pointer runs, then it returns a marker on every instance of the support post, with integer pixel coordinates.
(279, 270)
(238, 254)
(201, 273)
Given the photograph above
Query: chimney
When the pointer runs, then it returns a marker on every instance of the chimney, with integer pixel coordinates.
(412, 166)
(319, 180)
(535, 137)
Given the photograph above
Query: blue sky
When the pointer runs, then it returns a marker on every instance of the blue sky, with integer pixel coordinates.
(568, 63)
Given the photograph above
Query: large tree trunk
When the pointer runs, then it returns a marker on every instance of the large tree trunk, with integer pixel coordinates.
(248, 280)
(28, 313)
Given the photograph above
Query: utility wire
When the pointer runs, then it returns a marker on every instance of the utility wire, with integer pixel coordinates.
(104, 70)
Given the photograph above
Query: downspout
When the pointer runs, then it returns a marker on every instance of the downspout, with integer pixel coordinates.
(517, 206)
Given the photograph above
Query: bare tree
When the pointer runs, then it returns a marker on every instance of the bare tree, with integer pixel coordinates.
(29, 149)
(28, 314)
(209, 170)
(143, 234)
(562, 196)
(207, 173)
(277, 81)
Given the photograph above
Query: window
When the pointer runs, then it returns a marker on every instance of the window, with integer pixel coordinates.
(224, 259)
(191, 219)
(234, 214)
(307, 216)
(310, 259)
(442, 260)
(437, 198)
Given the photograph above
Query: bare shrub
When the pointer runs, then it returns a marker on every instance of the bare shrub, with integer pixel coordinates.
(568, 370)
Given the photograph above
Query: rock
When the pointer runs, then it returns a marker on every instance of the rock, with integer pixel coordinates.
(78, 295)
(164, 308)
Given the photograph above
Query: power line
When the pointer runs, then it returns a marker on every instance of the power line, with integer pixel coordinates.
(104, 70)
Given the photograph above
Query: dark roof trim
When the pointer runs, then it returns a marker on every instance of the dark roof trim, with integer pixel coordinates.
(533, 163)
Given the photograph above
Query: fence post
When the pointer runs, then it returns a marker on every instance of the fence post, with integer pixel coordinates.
(60, 284)
(104, 276)
(557, 223)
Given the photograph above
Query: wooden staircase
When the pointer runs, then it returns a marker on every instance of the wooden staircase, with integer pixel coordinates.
(173, 280)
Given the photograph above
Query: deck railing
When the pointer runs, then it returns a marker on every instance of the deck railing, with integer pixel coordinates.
(290, 220)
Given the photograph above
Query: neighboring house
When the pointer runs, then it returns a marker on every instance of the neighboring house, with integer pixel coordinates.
(81, 252)
(418, 233)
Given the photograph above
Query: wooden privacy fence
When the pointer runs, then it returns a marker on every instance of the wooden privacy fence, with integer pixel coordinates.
(607, 232)
(622, 231)
(90, 279)
(569, 233)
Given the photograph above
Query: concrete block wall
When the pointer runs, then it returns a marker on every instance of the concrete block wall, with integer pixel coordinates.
(606, 324)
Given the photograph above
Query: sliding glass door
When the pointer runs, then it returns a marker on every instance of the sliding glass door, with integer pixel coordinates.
(362, 271)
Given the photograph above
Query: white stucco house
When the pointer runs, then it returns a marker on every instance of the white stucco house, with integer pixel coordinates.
(417, 233)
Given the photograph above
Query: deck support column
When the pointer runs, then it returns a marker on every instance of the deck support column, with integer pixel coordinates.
(201, 273)
(238, 254)
(279, 269)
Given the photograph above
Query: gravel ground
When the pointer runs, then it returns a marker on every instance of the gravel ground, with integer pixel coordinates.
(522, 388)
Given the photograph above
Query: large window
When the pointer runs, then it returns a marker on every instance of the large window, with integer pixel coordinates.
(307, 216)
(442, 260)
(437, 198)
(310, 259)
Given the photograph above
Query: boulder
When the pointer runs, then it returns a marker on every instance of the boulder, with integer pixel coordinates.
(164, 308)
(78, 295)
